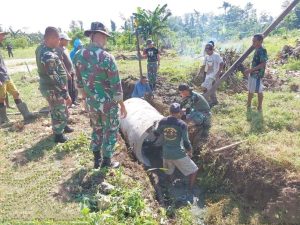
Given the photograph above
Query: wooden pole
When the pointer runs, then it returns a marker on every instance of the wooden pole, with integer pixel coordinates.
(249, 50)
(138, 51)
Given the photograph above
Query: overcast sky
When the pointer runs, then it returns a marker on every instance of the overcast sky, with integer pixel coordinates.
(34, 15)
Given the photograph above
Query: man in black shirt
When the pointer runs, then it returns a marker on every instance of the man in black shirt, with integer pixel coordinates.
(153, 59)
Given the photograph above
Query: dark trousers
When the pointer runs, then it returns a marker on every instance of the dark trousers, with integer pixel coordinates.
(71, 89)
(10, 54)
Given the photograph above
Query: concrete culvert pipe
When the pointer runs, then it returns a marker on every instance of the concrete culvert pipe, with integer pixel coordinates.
(138, 127)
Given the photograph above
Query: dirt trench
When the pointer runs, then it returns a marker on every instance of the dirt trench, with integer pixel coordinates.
(254, 182)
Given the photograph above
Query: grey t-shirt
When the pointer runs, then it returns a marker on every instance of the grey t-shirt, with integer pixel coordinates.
(3, 70)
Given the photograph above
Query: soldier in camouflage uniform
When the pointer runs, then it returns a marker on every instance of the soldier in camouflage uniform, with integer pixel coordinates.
(197, 112)
(153, 62)
(98, 75)
(53, 83)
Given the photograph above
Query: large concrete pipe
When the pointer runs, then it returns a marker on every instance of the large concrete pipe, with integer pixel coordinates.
(138, 127)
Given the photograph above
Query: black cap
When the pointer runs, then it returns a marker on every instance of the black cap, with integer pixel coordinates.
(184, 87)
(175, 108)
(97, 27)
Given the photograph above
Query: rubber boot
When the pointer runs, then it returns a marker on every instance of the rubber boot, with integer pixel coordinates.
(22, 107)
(68, 129)
(97, 159)
(108, 163)
(3, 115)
(60, 138)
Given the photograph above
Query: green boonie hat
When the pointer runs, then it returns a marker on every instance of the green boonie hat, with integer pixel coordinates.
(97, 27)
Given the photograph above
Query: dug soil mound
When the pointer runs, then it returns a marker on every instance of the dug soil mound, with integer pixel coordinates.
(264, 187)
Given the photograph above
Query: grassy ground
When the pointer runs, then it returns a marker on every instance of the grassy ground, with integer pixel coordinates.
(20, 53)
(37, 177)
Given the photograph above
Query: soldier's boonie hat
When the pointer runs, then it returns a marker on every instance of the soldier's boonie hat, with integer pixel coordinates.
(184, 87)
(3, 32)
(175, 108)
(149, 42)
(64, 36)
(97, 27)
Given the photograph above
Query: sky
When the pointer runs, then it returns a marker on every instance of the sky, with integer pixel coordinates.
(34, 15)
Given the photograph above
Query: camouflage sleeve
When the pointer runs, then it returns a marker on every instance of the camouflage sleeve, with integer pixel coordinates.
(54, 69)
(114, 80)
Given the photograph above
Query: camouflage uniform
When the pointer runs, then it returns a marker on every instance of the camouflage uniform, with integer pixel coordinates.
(152, 66)
(98, 75)
(53, 85)
(198, 111)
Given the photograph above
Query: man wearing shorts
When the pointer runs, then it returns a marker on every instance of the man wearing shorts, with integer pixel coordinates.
(257, 71)
(213, 63)
(175, 141)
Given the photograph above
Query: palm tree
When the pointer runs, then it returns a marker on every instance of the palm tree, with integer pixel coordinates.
(225, 6)
(152, 24)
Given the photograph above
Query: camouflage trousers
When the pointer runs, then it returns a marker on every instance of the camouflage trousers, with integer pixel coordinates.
(105, 131)
(152, 73)
(201, 119)
(58, 110)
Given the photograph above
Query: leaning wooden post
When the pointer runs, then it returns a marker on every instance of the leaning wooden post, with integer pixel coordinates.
(248, 51)
(138, 45)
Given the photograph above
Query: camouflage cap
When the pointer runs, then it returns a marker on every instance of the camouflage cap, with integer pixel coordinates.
(97, 27)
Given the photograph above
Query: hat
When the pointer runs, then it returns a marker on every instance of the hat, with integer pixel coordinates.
(212, 43)
(64, 36)
(149, 42)
(2, 32)
(184, 87)
(175, 108)
(97, 27)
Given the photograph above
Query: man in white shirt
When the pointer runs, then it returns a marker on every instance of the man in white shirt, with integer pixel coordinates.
(213, 63)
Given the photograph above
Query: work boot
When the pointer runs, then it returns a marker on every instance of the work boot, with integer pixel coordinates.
(68, 129)
(108, 163)
(97, 159)
(60, 138)
(22, 107)
(3, 115)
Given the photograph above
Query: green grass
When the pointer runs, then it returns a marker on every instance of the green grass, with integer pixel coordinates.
(21, 53)
(274, 133)
(293, 64)
(174, 69)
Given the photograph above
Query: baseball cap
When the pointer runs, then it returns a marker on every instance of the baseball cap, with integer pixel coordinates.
(175, 108)
(149, 42)
(64, 36)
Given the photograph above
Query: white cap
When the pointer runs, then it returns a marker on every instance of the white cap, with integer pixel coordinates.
(64, 36)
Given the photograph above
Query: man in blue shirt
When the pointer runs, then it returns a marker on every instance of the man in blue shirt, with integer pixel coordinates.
(141, 88)
(175, 141)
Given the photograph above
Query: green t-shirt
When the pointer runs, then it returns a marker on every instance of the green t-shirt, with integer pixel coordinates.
(260, 56)
(175, 137)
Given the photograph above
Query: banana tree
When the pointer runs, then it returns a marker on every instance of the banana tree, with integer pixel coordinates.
(151, 24)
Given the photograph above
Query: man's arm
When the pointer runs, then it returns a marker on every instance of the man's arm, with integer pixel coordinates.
(53, 67)
(158, 57)
(116, 87)
(186, 141)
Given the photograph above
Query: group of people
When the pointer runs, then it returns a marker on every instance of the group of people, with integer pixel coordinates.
(98, 79)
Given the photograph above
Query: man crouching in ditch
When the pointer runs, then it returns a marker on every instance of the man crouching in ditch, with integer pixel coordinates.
(175, 141)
